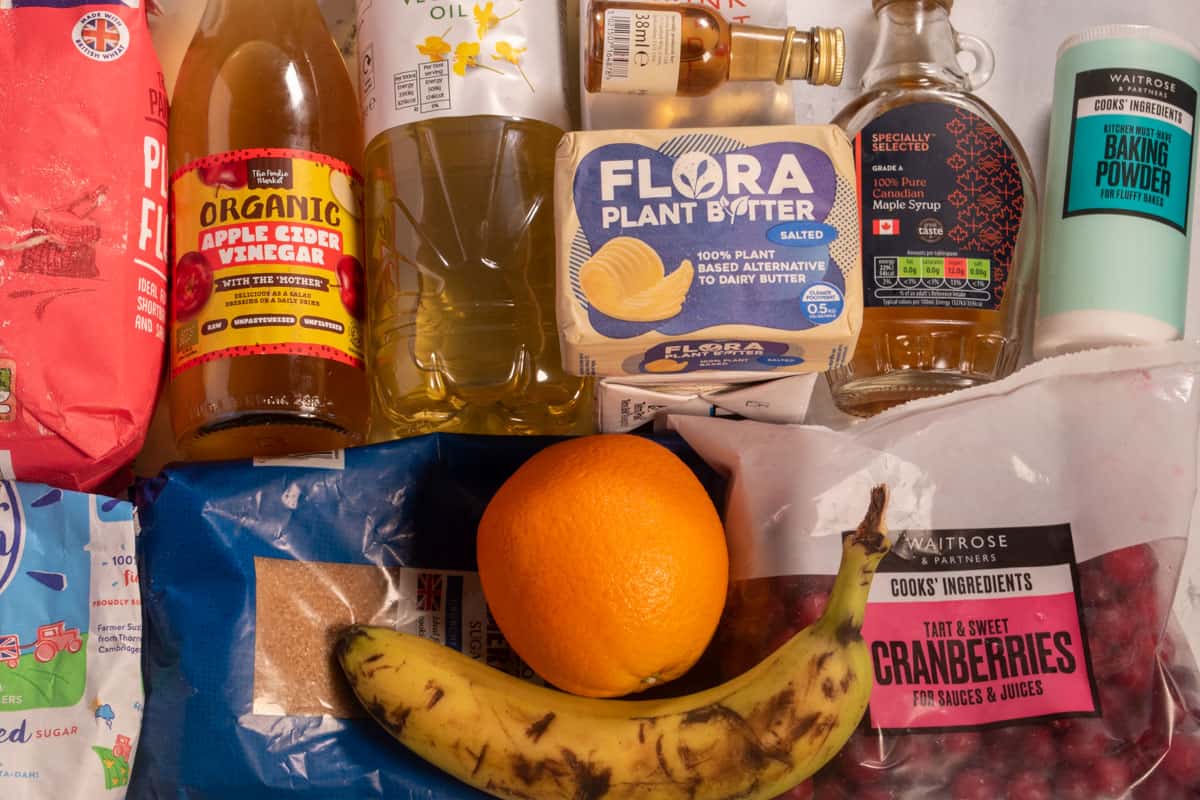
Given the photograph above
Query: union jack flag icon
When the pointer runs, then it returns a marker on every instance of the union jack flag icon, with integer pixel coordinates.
(429, 592)
(100, 35)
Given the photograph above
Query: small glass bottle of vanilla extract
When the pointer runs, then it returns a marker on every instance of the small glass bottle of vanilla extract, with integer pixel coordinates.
(688, 50)
(949, 217)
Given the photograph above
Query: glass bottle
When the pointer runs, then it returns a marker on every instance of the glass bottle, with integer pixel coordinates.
(689, 50)
(463, 118)
(266, 139)
(949, 217)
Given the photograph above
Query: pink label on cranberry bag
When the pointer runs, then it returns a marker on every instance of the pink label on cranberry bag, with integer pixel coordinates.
(971, 628)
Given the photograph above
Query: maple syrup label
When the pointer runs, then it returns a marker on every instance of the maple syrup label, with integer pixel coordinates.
(942, 201)
(266, 255)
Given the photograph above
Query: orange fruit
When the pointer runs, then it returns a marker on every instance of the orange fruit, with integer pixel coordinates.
(604, 564)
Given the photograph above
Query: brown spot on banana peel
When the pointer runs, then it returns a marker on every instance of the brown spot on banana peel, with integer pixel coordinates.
(848, 633)
(478, 758)
(591, 782)
(535, 731)
(828, 689)
(348, 639)
(662, 760)
(393, 719)
(803, 725)
(436, 697)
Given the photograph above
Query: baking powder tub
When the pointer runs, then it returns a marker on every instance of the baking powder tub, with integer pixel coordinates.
(1119, 190)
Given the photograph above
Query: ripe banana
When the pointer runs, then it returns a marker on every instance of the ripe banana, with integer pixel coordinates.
(755, 736)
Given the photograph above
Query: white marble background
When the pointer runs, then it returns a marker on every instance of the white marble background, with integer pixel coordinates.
(1024, 34)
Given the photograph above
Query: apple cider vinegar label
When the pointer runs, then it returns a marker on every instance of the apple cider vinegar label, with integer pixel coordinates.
(266, 258)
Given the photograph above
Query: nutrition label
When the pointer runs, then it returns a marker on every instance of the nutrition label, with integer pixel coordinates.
(914, 279)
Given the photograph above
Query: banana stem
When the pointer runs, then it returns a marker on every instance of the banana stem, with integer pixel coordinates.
(862, 551)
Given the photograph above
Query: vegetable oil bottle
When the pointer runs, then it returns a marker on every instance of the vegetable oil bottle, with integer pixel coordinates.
(464, 107)
(268, 289)
(949, 217)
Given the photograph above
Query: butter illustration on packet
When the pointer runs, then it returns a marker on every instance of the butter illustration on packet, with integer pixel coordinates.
(626, 280)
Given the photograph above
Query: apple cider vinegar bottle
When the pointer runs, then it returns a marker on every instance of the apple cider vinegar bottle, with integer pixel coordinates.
(268, 297)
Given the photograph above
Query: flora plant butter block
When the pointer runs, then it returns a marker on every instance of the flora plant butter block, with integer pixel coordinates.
(733, 250)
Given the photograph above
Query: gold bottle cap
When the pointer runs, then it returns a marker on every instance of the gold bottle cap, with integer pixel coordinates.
(828, 59)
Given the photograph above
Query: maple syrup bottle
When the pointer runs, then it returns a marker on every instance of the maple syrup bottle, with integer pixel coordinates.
(688, 50)
(949, 216)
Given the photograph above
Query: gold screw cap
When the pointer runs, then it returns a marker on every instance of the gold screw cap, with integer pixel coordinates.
(828, 56)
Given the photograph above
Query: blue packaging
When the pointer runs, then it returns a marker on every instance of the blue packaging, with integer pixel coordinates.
(402, 516)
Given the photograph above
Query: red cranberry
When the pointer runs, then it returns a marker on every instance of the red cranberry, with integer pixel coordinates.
(1030, 785)
(780, 638)
(1085, 742)
(958, 746)
(1130, 566)
(1111, 777)
(1143, 604)
(831, 788)
(1110, 626)
(1096, 587)
(861, 760)
(1140, 664)
(1126, 713)
(801, 791)
(808, 608)
(1157, 786)
(1166, 649)
(975, 783)
(1072, 783)
(738, 658)
(1182, 761)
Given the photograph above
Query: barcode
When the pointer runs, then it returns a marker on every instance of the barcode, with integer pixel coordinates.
(617, 36)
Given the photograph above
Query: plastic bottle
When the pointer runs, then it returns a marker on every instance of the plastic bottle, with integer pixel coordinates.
(1119, 190)
(463, 113)
(267, 299)
(949, 218)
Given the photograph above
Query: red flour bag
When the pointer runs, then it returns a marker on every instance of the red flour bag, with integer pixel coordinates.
(83, 197)
(1020, 629)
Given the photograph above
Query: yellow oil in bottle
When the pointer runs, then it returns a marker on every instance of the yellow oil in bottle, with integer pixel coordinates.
(260, 80)
(460, 224)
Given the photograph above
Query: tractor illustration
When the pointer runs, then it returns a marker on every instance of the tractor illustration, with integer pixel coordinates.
(123, 748)
(51, 640)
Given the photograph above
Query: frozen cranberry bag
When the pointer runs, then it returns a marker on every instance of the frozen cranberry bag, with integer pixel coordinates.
(1020, 630)
(83, 197)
